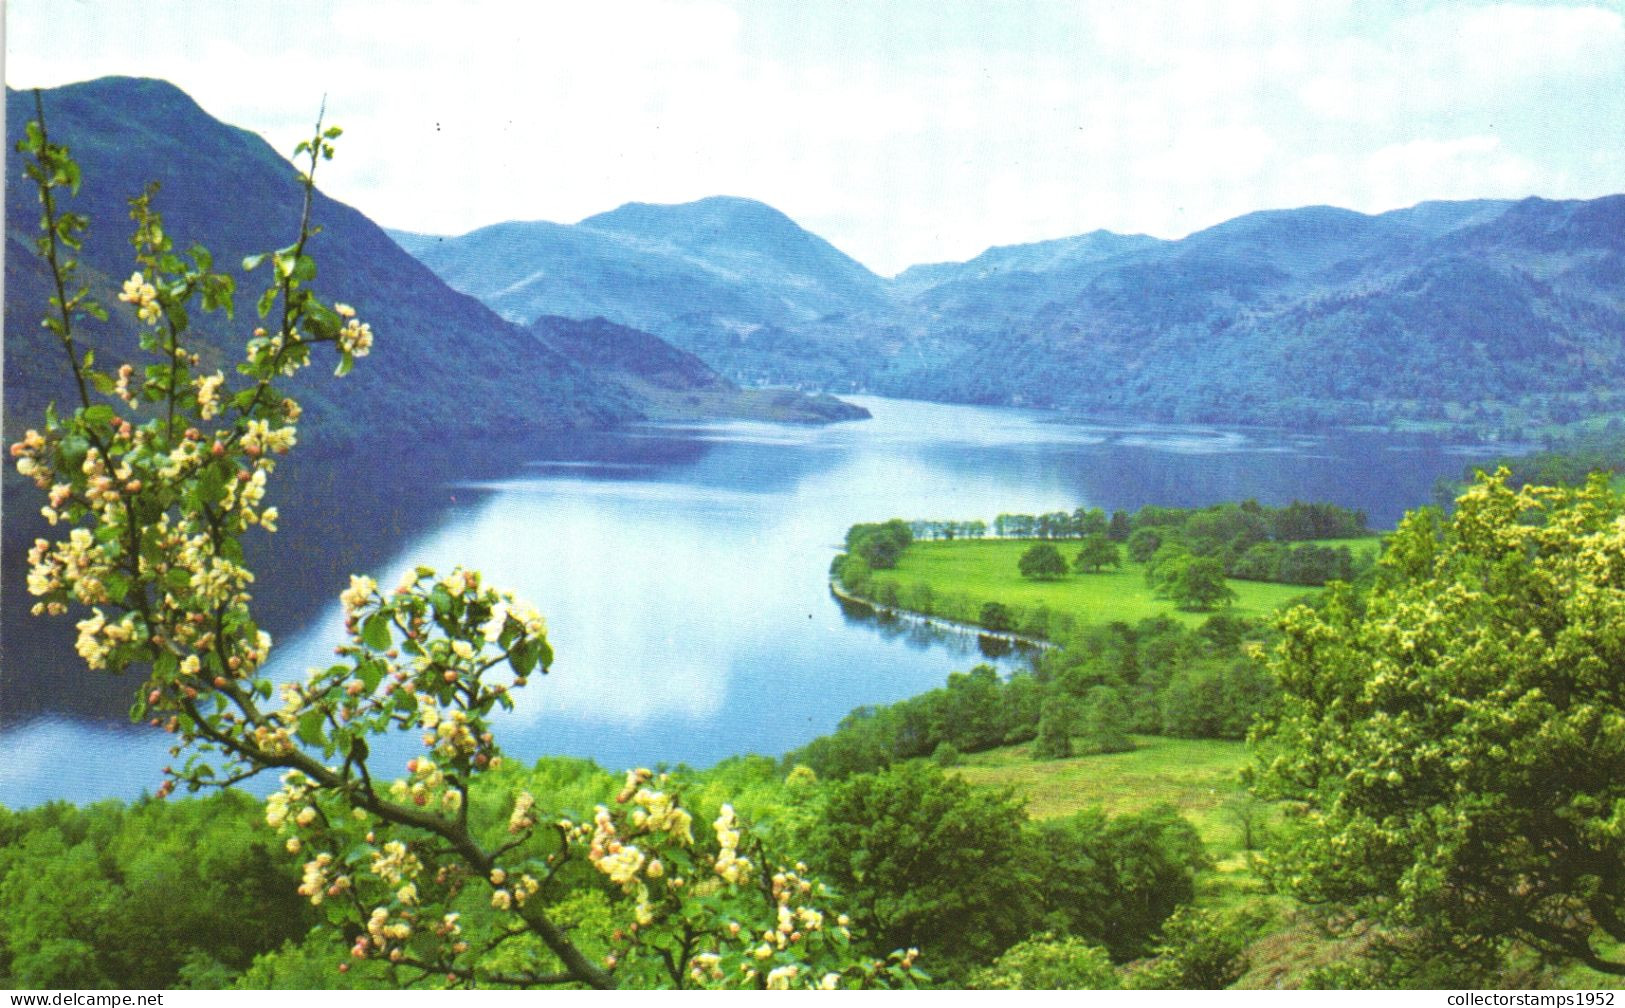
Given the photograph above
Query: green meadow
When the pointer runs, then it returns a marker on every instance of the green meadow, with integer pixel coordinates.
(967, 573)
(1200, 778)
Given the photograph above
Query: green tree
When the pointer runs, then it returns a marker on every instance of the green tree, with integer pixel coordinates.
(1458, 734)
(1047, 962)
(1113, 881)
(1098, 551)
(1193, 582)
(926, 862)
(996, 616)
(1042, 561)
(1122, 526)
(1056, 726)
(1214, 698)
(1198, 950)
(1143, 543)
(880, 544)
(131, 896)
(1103, 727)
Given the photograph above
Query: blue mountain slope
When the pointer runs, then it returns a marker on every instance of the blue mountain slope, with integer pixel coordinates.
(444, 363)
(1483, 312)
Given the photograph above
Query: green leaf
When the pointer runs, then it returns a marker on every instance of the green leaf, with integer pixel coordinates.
(346, 362)
(266, 301)
(310, 729)
(375, 632)
(523, 658)
(321, 320)
(251, 263)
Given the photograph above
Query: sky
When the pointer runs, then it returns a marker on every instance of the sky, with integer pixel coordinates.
(902, 132)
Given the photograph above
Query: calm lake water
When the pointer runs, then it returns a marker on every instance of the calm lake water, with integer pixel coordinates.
(682, 570)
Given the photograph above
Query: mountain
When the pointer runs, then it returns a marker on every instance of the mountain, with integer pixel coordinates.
(444, 367)
(1485, 312)
(721, 277)
(1495, 314)
(443, 362)
(1031, 258)
(672, 384)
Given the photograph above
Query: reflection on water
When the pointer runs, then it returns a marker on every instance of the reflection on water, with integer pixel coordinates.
(683, 569)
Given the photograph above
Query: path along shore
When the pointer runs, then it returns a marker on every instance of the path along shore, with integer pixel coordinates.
(953, 626)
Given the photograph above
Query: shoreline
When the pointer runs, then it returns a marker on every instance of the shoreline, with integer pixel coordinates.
(941, 622)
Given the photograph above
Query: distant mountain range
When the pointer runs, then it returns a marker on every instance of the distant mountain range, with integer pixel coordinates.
(445, 366)
(1488, 313)
(1492, 313)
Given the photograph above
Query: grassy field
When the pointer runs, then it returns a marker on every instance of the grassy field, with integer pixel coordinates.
(1198, 777)
(984, 570)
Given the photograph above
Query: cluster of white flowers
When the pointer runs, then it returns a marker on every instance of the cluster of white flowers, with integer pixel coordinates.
(383, 934)
(780, 978)
(426, 782)
(621, 862)
(185, 455)
(103, 486)
(27, 452)
(145, 298)
(510, 891)
(656, 812)
(320, 880)
(266, 349)
(78, 565)
(705, 965)
(354, 597)
(217, 581)
(396, 864)
(454, 735)
(272, 741)
(259, 438)
(733, 868)
(89, 644)
(523, 816)
(208, 391)
(121, 388)
(356, 338)
(295, 793)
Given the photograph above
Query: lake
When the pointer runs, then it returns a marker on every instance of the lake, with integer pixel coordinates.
(683, 570)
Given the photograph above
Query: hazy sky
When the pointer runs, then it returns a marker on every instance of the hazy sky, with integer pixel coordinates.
(903, 132)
